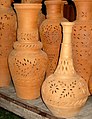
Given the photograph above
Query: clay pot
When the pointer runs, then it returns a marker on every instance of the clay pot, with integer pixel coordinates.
(51, 34)
(65, 92)
(7, 37)
(82, 39)
(27, 61)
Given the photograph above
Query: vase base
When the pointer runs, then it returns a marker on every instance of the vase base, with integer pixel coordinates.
(27, 93)
(64, 112)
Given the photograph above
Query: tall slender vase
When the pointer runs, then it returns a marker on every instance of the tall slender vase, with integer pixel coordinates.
(7, 37)
(51, 33)
(27, 61)
(82, 39)
(65, 92)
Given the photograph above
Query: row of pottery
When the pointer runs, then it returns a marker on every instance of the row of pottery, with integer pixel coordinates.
(28, 62)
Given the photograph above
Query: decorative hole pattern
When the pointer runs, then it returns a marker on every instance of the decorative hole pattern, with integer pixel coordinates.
(82, 43)
(7, 37)
(83, 14)
(7, 31)
(65, 67)
(30, 69)
(63, 92)
(32, 36)
(53, 61)
(51, 33)
(51, 37)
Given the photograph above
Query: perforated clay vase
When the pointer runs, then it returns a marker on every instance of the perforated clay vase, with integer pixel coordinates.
(82, 39)
(7, 37)
(27, 61)
(65, 92)
(51, 34)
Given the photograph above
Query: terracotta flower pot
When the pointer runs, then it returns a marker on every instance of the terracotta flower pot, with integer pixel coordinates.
(65, 92)
(82, 39)
(7, 37)
(51, 34)
(27, 61)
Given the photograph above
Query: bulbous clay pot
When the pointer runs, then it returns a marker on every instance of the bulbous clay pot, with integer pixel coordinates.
(51, 34)
(65, 92)
(27, 61)
(7, 37)
(82, 39)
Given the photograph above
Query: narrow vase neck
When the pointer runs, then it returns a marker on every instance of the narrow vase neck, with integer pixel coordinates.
(84, 10)
(66, 51)
(53, 9)
(27, 16)
(65, 65)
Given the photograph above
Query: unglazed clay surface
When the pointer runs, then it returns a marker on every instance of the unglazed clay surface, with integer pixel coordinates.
(82, 35)
(27, 61)
(41, 16)
(7, 37)
(66, 91)
(51, 34)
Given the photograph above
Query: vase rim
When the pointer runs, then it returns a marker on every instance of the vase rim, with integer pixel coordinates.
(53, 2)
(27, 5)
(67, 23)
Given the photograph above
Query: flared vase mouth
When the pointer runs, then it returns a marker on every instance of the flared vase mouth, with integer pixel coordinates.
(27, 5)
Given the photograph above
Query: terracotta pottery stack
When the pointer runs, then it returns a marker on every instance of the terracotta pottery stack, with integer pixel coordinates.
(27, 61)
(65, 92)
(82, 39)
(51, 33)
(7, 37)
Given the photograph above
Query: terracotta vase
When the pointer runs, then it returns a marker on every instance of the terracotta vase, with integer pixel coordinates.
(7, 37)
(27, 61)
(51, 34)
(65, 92)
(82, 39)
